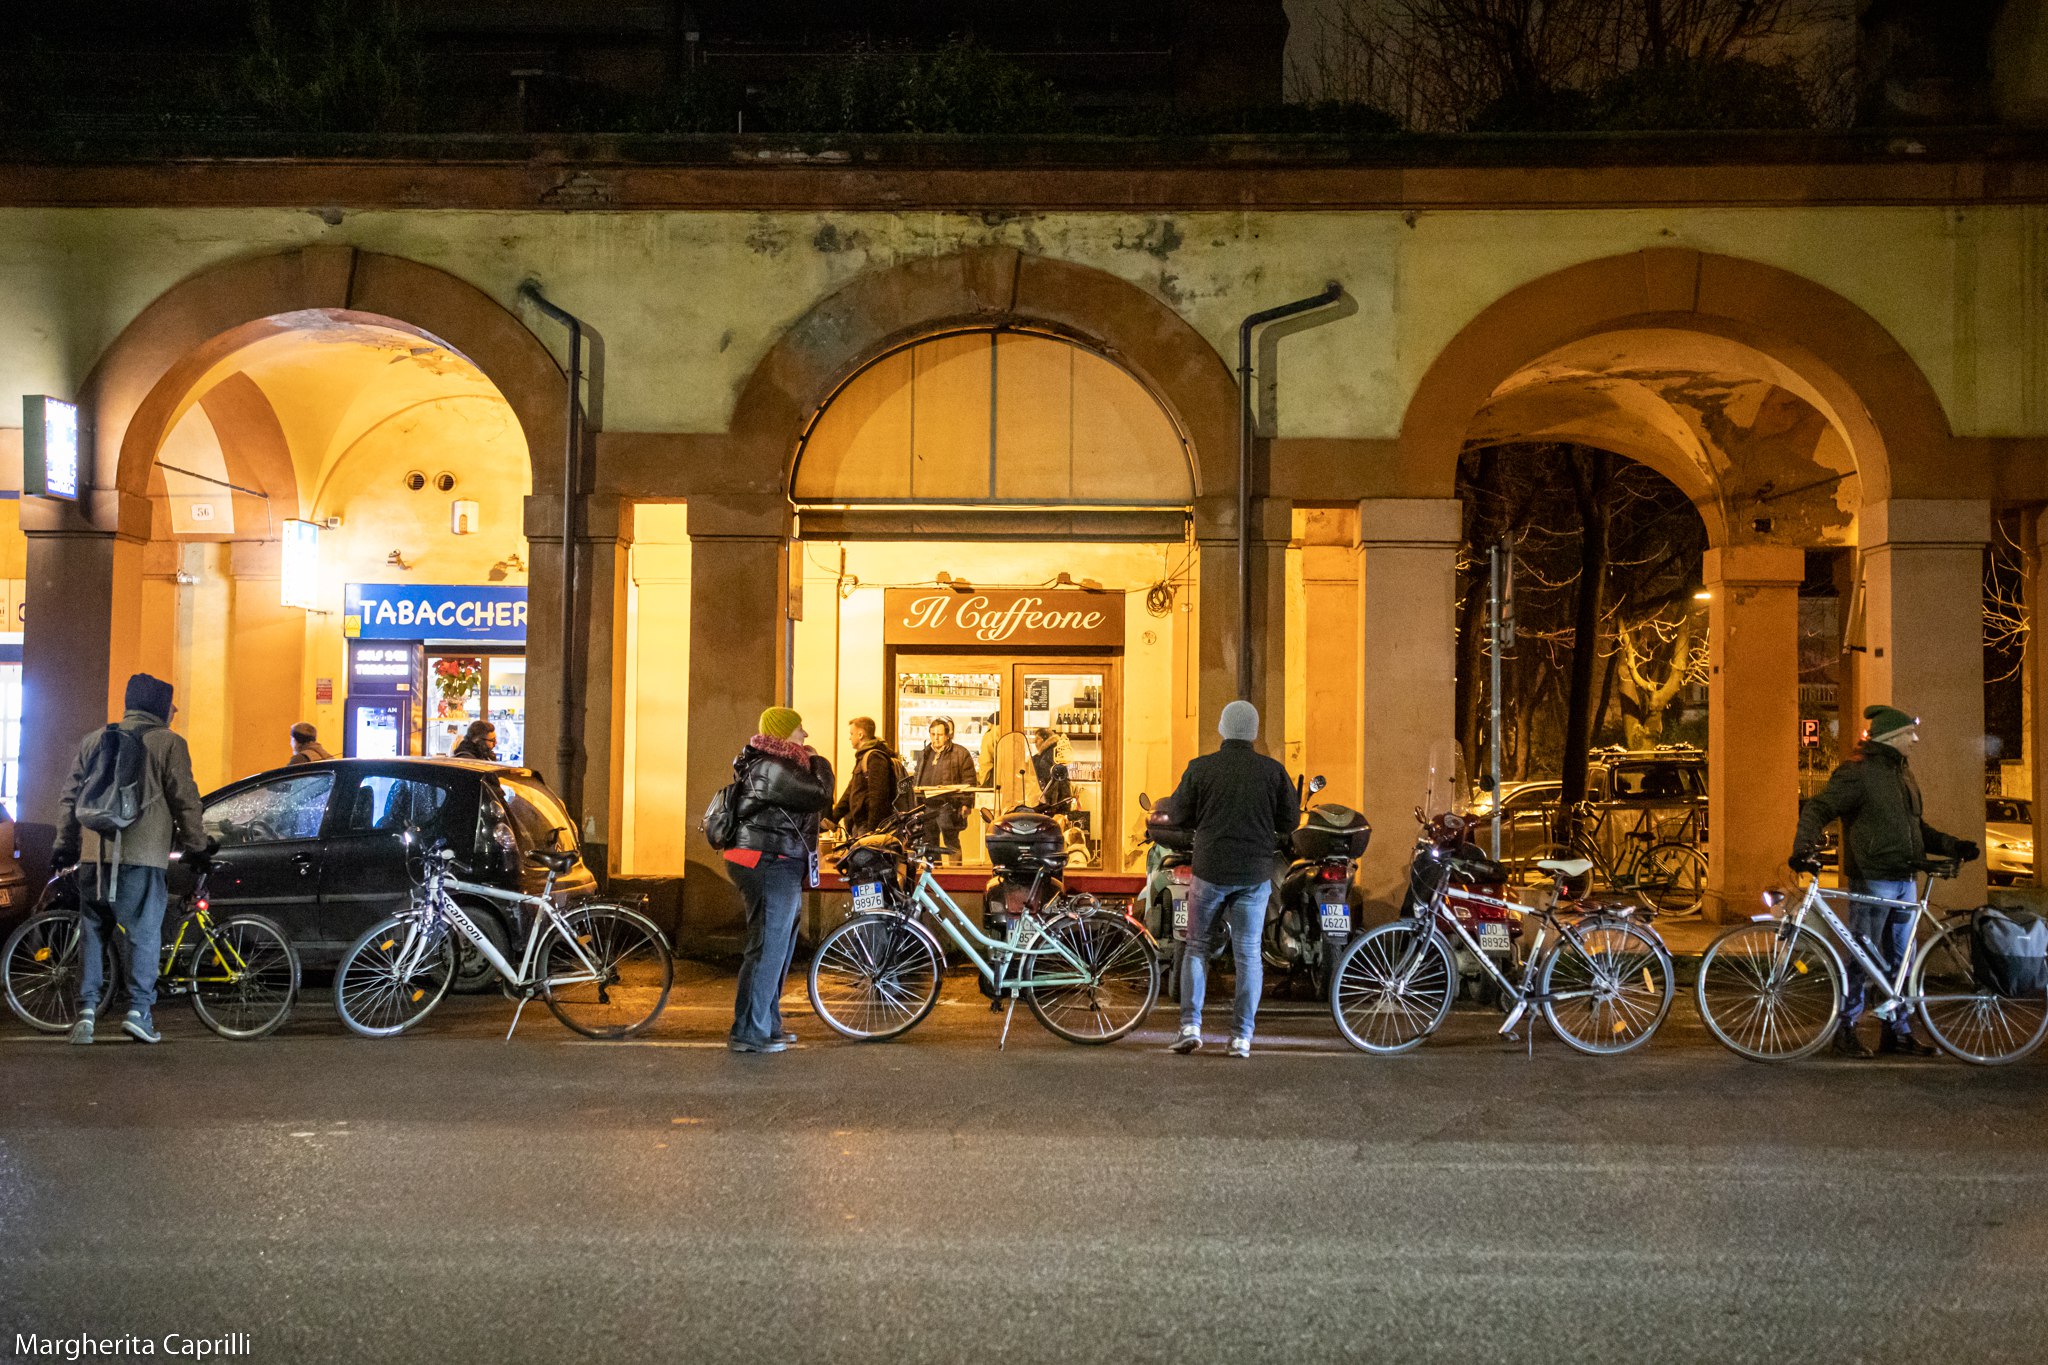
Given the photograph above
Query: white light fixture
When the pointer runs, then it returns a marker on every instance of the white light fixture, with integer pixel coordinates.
(299, 572)
(463, 517)
(1703, 596)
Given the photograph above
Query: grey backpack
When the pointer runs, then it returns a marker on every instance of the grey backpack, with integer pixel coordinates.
(113, 791)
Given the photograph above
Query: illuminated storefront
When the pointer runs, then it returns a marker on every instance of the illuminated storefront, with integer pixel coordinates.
(428, 660)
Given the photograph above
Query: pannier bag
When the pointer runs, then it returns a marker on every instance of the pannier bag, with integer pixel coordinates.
(2010, 951)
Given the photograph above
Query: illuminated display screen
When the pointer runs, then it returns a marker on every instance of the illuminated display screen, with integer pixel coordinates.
(49, 454)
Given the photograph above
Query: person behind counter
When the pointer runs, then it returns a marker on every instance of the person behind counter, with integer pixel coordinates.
(479, 742)
(785, 787)
(942, 763)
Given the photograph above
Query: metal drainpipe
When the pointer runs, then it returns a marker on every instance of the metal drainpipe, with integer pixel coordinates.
(1245, 433)
(572, 450)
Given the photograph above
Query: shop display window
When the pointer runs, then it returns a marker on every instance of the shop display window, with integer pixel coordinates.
(463, 688)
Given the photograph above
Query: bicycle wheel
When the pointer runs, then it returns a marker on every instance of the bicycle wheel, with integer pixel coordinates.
(1673, 878)
(41, 968)
(1122, 971)
(1393, 987)
(1961, 1011)
(1610, 993)
(393, 976)
(875, 977)
(244, 977)
(634, 969)
(1770, 992)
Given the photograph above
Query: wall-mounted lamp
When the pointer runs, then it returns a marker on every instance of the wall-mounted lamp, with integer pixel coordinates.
(463, 517)
(510, 564)
(1703, 596)
(299, 565)
(396, 560)
(946, 580)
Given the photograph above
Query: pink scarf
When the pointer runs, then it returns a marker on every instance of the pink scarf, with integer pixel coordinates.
(783, 748)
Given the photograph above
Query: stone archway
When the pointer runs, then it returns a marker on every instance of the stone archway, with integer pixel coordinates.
(1639, 354)
(86, 562)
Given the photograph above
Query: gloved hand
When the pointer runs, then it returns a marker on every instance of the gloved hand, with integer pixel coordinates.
(1967, 850)
(1803, 862)
(199, 860)
(64, 855)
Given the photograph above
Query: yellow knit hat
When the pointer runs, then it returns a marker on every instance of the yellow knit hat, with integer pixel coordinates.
(779, 722)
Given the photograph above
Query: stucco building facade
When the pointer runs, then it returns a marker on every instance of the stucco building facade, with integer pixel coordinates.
(1826, 352)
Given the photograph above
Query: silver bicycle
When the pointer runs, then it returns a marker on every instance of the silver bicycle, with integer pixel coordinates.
(602, 969)
(1771, 990)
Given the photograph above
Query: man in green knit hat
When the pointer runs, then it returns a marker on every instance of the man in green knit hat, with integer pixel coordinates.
(1884, 841)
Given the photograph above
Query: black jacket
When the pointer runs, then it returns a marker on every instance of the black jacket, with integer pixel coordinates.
(780, 800)
(1878, 802)
(870, 797)
(954, 768)
(1239, 804)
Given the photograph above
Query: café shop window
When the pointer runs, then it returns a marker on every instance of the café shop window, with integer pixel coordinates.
(1030, 682)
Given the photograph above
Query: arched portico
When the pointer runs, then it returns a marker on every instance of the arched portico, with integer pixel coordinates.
(1794, 421)
(740, 509)
(180, 365)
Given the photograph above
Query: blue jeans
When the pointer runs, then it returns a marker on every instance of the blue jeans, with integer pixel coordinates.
(1246, 908)
(774, 893)
(1891, 930)
(136, 924)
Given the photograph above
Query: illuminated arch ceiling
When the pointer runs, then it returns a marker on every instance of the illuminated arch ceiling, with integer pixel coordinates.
(281, 414)
(1002, 417)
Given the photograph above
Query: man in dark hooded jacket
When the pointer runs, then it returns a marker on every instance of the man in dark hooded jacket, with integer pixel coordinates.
(1884, 842)
(129, 899)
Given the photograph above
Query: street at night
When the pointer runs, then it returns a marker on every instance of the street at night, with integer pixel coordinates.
(447, 1196)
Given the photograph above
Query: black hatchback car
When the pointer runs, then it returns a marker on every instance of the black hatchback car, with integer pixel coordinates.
(320, 847)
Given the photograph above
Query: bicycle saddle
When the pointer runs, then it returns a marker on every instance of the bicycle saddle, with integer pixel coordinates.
(1568, 867)
(554, 862)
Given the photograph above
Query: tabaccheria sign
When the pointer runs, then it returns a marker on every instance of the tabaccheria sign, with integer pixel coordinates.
(1013, 619)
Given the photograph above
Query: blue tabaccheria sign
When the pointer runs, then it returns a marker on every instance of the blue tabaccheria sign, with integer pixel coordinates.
(435, 611)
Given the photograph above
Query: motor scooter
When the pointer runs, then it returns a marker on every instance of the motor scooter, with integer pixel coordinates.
(1447, 860)
(1169, 877)
(1315, 907)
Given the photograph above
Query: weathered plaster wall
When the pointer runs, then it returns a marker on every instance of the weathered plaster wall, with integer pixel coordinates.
(688, 303)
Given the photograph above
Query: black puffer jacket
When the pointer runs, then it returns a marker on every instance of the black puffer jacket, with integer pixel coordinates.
(783, 788)
(1878, 802)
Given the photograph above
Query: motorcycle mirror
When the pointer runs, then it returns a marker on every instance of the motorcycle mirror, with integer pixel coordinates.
(1420, 818)
(1486, 782)
(1317, 783)
(1144, 802)
(986, 814)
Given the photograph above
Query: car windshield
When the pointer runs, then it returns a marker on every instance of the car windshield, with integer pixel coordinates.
(536, 815)
(2005, 810)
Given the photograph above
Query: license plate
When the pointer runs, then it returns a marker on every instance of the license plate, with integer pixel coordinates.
(1493, 937)
(867, 896)
(1180, 919)
(1336, 919)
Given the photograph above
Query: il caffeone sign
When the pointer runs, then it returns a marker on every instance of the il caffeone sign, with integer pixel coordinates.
(1030, 619)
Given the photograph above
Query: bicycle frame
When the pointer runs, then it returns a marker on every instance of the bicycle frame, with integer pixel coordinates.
(1896, 998)
(1524, 990)
(440, 882)
(1024, 945)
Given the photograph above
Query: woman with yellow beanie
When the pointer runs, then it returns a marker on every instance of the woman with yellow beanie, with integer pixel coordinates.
(784, 785)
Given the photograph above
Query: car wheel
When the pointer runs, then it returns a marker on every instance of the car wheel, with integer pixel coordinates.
(473, 974)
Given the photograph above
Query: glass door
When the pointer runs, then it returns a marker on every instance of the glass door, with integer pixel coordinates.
(1067, 718)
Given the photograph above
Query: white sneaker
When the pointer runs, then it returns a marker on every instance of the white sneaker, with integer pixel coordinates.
(1190, 1040)
(1240, 1047)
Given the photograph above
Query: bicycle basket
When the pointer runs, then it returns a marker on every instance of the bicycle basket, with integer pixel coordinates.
(2009, 951)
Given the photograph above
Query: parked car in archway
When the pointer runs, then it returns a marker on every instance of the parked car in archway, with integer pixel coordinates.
(321, 847)
(2008, 840)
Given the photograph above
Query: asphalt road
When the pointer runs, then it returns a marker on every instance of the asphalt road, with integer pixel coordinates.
(449, 1197)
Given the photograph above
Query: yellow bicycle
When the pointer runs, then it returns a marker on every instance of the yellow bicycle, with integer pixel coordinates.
(240, 972)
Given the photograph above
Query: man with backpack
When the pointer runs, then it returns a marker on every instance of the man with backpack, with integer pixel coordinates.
(132, 794)
(870, 797)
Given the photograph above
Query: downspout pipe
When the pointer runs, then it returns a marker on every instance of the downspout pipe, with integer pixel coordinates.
(1246, 432)
(572, 452)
